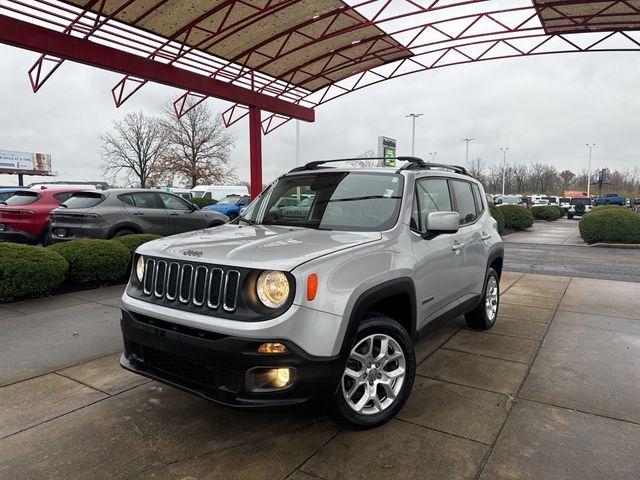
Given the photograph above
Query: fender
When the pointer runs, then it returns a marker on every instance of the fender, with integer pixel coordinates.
(120, 226)
(372, 296)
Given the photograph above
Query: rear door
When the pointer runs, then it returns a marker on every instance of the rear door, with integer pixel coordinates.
(182, 217)
(470, 207)
(146, 213)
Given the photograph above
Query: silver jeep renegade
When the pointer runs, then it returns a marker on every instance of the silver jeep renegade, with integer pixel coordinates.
(320, 289)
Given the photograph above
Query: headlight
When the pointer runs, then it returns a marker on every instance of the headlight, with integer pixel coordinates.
(273, 288)
(140, 268)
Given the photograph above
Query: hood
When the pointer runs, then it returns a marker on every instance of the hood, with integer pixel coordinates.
(261, 247)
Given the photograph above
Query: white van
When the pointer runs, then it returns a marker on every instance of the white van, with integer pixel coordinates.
(218, 192)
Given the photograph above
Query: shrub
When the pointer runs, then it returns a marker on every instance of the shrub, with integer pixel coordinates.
(516, 217)
(498, 216)
(545, 212)
(29, 271)
(610, 224)
(203, 202)
(560, 210)
(135, 240)
(94, 260)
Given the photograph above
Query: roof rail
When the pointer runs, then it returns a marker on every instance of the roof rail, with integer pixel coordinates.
(413, 163)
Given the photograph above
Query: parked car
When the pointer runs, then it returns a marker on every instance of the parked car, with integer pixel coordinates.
(230, 205)
(218, 192)
(24, 217)
(510, 200)
(578, 207)
(565, 203)
(610, 199)
(274, 309)
(117, 212)
(6, 193)
(636, 205)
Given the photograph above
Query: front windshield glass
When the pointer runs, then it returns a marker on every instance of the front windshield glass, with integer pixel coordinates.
(229, 200)
(351, 201)
(197, 193)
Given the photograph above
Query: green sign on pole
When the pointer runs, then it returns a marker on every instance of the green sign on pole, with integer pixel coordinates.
(387, 149)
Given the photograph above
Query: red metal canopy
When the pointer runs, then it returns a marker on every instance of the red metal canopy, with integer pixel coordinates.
(289, 56)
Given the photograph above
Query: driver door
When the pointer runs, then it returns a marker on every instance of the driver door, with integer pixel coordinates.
(182, 217)
(439, 260)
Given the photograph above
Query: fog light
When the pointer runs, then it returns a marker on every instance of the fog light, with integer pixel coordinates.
(267, 379)
(272, 348)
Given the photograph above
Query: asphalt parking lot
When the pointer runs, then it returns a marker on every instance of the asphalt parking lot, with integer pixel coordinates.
(550, 392)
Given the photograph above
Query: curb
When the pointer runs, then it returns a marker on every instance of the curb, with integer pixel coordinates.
(629, 246)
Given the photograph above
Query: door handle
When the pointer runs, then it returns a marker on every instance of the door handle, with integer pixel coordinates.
(485, 236)
(174, 214)
(138, 213)
(457, 246)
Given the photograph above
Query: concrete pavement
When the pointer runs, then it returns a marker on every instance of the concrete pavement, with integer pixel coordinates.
(550, 392)
(558, 232)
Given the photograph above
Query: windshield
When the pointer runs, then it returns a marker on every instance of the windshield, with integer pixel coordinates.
(197, 193)
(352, 201)
(22, 198)
(84, 200)
(229, 200)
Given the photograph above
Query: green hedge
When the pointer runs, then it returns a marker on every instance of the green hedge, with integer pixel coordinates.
(27, 271)
(613, 224)
(561, 210)
(133, 241)
(516, 217)
(546, 212)
(94, 260)
(203, 202)
(498, 216)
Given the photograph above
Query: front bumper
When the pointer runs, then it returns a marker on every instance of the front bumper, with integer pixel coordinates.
(217, 367)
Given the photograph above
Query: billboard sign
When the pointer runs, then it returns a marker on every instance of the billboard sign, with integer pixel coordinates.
(387, 149)
(25, 162)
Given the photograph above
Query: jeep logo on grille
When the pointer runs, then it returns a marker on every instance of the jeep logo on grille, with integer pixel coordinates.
(192, 253)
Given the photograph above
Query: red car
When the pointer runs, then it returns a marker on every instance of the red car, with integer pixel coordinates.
(24, 217)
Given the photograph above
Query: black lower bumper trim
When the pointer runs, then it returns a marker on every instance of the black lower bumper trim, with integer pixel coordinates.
(215, 366)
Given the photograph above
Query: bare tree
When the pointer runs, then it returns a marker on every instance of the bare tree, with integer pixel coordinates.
(476, 169)
(199, 147)
(364, 162)
(134, 148)
(567, 177)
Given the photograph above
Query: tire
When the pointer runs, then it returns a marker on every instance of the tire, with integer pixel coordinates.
(483, 317)
(46, 237)
(570, 216)
(122, 233)
(233, 216)
(371, 374)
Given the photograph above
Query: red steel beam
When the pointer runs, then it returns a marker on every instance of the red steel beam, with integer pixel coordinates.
(255, 151)
(32, 37)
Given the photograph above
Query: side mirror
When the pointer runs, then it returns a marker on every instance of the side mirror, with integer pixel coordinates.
(441, 222)
(193, 207)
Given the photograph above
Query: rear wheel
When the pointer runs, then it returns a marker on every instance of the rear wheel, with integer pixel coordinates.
(122, 233)
(483, 317)
(233, 216)
(378, 377)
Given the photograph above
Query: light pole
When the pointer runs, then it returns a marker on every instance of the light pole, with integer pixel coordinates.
(590, 147)
(504, 166)
(433, 156)
(467, 155)
(413, 131)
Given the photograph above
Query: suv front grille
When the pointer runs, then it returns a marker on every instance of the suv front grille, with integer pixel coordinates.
(200, 286)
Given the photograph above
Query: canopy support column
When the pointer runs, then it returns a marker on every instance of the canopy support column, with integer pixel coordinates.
(255, 150)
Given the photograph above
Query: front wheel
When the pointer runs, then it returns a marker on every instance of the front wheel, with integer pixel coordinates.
(483, 317)
(378, 377)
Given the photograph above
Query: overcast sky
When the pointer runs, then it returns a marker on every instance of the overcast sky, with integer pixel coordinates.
(544, 109)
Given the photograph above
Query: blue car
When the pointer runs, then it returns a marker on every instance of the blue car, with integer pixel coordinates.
(230, 205)
(6, 193)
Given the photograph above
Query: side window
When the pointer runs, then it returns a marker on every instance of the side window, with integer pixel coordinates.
(141, 200)
(172, 202)
(63, 196)
(244, 201)
(478, 198)
(432, 195)
(465, 205)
